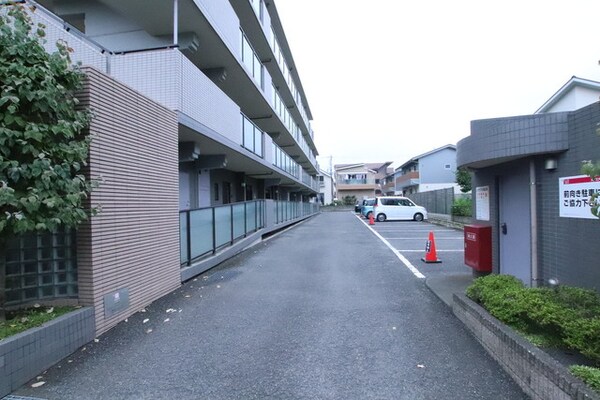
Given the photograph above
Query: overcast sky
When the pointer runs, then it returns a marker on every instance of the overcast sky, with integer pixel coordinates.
(387, 80)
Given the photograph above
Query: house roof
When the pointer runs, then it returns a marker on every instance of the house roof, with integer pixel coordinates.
(415, 159)
(371, 166)
(565, 89)
(324, 173)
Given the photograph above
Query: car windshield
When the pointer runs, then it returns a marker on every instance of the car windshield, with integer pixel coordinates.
(369, 202)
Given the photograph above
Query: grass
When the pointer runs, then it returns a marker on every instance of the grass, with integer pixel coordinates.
(21, 320)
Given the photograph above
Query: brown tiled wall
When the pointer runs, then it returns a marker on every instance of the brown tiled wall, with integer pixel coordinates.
(133, 243)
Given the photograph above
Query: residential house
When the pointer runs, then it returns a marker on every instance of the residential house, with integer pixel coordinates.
(573, 95)
(327, 189)
(429, 171)
(528, 187)
(361, 180)
(203, 138)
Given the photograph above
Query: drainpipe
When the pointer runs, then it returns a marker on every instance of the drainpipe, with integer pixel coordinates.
(534, 228)
(175, 22)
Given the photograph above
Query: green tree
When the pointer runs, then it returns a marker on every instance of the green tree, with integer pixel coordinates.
(593, 171)
(42, 145)
(463, 178)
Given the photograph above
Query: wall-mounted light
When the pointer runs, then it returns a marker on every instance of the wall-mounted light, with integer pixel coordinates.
(550, 164)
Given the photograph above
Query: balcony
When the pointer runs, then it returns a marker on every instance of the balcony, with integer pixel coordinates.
(406, 180)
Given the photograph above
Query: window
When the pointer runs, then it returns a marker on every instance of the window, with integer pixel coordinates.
(216, 190)
(447, 166)
(251, 61)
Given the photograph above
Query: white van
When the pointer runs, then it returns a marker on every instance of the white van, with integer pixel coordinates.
(397, 208)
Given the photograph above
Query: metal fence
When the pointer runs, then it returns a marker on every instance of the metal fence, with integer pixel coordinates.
(437, 201)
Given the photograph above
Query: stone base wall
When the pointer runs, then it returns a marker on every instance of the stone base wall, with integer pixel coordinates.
(28, 354)
(540, 376)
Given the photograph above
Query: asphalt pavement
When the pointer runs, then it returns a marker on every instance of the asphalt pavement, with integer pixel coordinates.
(324, 310)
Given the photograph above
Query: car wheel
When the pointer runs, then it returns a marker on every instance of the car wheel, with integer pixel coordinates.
(418, 217)
(381, 217)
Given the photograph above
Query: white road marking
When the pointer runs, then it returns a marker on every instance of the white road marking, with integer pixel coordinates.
(407, 263)
(437, 238)
(436, 250)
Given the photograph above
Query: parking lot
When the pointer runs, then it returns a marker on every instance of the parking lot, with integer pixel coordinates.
(407, 239)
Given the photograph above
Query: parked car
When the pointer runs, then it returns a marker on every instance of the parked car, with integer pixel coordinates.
(397, 208)
(358, 206)
(367, 207)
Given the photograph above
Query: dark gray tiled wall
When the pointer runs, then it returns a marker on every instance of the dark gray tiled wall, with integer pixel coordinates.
(566, 246)
(24, 356)
(513, 137)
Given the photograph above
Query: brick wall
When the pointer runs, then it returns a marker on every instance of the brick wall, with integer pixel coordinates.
(132, 246)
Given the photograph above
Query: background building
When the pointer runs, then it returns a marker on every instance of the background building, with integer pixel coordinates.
(433, 170)
(361, 180)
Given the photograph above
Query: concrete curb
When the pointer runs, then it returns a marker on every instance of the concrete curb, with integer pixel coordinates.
(539, 375)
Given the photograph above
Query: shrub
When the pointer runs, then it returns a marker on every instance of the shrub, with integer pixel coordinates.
(462, 207)
(590, 375)
(349, 200)
(568, 316)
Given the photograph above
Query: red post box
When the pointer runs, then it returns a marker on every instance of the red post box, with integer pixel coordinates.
(478, 247)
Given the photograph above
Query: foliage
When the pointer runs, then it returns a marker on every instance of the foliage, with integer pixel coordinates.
(42, 148)
(22, 320)
(589, 375)
(462, 207)
(463, 179)
(337, 203)
(567, 316)
(593, 171)
(349, 200)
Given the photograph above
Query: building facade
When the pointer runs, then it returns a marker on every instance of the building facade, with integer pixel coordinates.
(362, 181)
(433, 170)
(327, 188)
(202, 137)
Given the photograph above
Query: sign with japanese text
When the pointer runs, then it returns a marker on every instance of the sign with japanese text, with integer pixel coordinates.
(574, 195)
(482, 203)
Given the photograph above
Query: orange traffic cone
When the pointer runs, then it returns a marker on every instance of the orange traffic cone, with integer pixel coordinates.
(371, 219)
(430, 254)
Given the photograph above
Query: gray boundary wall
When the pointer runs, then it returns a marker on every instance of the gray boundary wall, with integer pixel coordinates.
(28, 354)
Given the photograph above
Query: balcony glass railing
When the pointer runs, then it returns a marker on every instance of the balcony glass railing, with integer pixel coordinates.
(203, 231)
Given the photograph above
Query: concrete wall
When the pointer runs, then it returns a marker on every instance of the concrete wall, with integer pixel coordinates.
(120, 267)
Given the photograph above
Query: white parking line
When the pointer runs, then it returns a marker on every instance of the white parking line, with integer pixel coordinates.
(437, 238)
(407, 263)
(437, 251)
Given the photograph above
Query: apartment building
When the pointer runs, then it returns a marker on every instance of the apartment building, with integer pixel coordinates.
(361, 180)
(202, 134)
